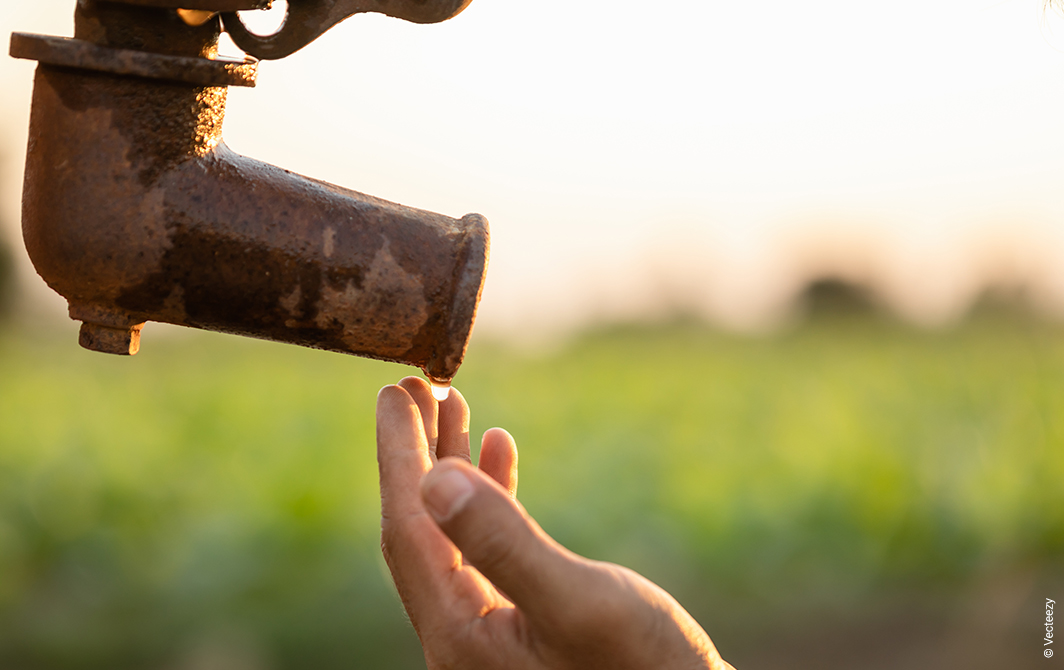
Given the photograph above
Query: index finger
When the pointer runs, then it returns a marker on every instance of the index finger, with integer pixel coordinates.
(413, 544)
(402, 452)
(422, 560)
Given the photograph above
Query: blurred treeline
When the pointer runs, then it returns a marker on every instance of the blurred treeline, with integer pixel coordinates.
(850, 492)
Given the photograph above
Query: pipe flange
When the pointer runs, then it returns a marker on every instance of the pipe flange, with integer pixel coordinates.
(68, 52)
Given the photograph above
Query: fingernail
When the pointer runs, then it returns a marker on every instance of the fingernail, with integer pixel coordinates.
(447, 494)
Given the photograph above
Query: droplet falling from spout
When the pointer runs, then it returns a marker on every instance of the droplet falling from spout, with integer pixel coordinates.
(440, 391)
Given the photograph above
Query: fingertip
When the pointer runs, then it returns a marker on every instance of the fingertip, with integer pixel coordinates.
(396, 411)
(421, 393)
(414, 384)
(498, 458)
(456, 404)
(391, 393)
(501, 435)
(454, 426)
(500, 444)
(455, 393)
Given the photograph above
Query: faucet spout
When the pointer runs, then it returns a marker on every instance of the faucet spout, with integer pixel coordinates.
(135, 210)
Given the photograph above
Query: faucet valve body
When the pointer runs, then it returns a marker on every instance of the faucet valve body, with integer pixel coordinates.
(135, 210)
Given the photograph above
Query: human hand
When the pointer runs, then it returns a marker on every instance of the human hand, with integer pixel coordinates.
(485, 587)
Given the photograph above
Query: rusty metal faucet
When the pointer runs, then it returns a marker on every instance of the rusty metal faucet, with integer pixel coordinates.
(134, 209)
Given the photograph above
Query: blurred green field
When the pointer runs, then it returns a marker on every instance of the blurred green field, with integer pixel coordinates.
(212, 502)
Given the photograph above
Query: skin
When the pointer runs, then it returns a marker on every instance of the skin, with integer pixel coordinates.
(484, 586)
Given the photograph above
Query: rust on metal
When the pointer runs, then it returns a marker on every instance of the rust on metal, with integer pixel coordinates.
(147, 29)
(134, 210)
(68, 52)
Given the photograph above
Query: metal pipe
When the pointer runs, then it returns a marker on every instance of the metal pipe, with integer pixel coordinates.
(135, 210)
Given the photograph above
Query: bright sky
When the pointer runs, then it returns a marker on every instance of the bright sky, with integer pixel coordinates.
(696, 153)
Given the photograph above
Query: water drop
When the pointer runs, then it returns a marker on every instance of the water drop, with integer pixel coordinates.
(440, 391)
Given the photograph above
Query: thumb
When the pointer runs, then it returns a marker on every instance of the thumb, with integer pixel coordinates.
(498, 538)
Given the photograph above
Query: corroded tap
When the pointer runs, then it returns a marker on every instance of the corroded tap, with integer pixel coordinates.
(135, 210)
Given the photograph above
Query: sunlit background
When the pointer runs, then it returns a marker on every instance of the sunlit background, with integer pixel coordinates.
(773, 310)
